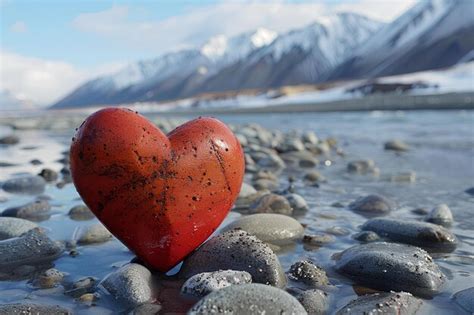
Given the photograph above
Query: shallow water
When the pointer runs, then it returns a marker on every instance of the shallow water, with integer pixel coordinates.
(442, 155)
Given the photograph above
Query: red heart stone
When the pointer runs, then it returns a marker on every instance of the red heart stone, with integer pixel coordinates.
(162, 196)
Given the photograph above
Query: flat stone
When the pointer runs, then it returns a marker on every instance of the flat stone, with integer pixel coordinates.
(93, 234)
(396, 145)
(36, 211)
(14, 227)
(308, 273)
(33, 309)
(390, 303)
(81, 213)
(131, 285)
(429, 236)
(32, 248)
(318, 239)
(25, 185)
(204, 283)
(236, 250)
(465, 299)
(373, 205)
(314, 301)
(248, 299)
(441, 215)
(272, 228)
(390, 266)
(271, 203)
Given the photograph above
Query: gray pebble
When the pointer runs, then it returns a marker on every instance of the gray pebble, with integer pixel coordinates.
(297, 202)
(314, 177)
(33, 309)
(93, 234)
(48, 174)
(366, 236)
(271, 203)
(246, 190)
(147, 309)
(272, 228)
(272, 161)
(49, 278)
(14, 227)
(236, 250)
(309, 137)
(130, 285)
(372, 205)
(390, 266)
(36, 162)
(465, 299)
(248, 299)
(82, 286)
(420, 211)
(361, 166)
(32, 248)
(396, 145)
(318, 239)
(407, 177)
(290, 144)
(263, 183)
(389, 303)
(9, 140)
(81, 213)
(441, 215)
(308, 273)
(426, 235)
(204, 283)
(36, 211)
(25, 185)
(314, 301)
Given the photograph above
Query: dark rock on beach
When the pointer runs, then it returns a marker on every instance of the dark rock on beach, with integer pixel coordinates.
(204, 283)
(396, 145)
(389, 303)
(441, 215)
(35, 211)
(33, 309)
(14, 227)
(81, 213)
(25, 185)
(314, 301)
(308, 273)
(271, 203)
(391, 267)
(9, 140)
(429, 236)
(373, 205)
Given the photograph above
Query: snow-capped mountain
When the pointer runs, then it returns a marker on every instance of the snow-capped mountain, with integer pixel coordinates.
(432, 34)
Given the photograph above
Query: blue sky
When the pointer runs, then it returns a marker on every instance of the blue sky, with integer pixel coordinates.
(50, 47)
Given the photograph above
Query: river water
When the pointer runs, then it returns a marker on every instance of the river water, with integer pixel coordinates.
(441, 154)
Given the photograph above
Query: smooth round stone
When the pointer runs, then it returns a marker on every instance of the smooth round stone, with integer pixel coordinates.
(33, 309)
(426, 235)
(441, 215)
(14, 227)
(204, 283)
(391, 267)
(314, 177)
(147, 309)
(297, 202)
(131, 285)
(465, 299)
(32, 248)
(373, 205)
(93, 234)
(308, 162)
(271, 203)
(236, 250)
(81, 213)
(48, 174)
(37, 211)
(9, 140)
(263, 183)
(361, 166)
(49, 278)
(390, 303)
(248, 299)
(308, 273)
(272, 228)
(318, 239)
(314, 301)
(246, 190)
(366, 236)
(25, 185)
(396, 145)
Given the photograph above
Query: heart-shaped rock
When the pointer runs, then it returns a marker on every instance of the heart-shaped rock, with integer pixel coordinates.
(162, 196)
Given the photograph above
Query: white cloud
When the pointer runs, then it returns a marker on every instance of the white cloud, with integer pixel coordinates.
(19, 27)
(385, 10)
(43, 81)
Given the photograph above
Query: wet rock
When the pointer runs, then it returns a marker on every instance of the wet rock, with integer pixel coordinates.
(87, 298)
(426, 235)
(441, 215)
(36, 211)
(308, 273)
(246, 190)
(25, 185)
(130, 285)
(7, 164)
(389, 266)
(36, 162)
(297, 202)
(93, 234)
(420, 211)
(366, 236)
(263, 184)
(396, 145)
(48, 174)
(33, 309)
(290, 144)
(465, 299)
(470, 191)
(236, 250)
(147, 309)
(32, 248)
(248, 299)
(318, 239)
(373, 205)
(81, 213)
(337, 204)
(314, 301)
(271, 203)
(9, 140)
(82, 286)
(314, 177)
(361, 166)
(49, 278)
(204, 283)
(390, 303)
(308, 162)
(14, 227)
(272, 228)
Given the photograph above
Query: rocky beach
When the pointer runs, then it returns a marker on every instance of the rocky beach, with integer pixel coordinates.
(339, 213)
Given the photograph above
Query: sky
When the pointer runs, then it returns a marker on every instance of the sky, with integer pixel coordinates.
(50, 47)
